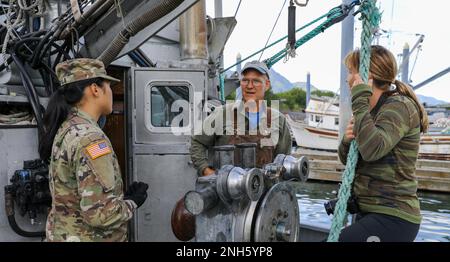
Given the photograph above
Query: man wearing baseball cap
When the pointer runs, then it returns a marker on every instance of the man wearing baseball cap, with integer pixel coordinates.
(261, 125)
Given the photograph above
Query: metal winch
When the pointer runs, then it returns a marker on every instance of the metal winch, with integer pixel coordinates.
(241, 202)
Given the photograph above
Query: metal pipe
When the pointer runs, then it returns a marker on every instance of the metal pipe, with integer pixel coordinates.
(431, 79)
(416, 45)
(405, 64)
(308, 88)
(193, 34)
(238, 63)
(134, 27)
(90, 16)
(345, 102)
(218, 12)
(197, 202)
(218, 8)
(90, 11)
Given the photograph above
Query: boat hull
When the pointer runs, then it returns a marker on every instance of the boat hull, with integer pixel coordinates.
(431, 146)
(305, 137)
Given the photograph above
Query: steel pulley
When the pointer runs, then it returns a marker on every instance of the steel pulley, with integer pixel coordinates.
(242, 203)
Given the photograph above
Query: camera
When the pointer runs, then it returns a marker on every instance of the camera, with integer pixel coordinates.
(352, 206)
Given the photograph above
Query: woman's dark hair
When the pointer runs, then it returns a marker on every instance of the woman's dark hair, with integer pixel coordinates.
(58, 108)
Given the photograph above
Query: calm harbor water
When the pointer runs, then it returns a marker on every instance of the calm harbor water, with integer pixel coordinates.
(435, 207)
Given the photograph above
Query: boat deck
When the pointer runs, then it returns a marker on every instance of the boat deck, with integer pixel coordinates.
(432, 174)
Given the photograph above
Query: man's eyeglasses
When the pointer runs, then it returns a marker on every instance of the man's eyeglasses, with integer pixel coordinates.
(255, 82)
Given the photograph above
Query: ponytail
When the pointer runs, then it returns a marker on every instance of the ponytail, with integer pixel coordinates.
(405, 90)
(58, 108)
(383, 68)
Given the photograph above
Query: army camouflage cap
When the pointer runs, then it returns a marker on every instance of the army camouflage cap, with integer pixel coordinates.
(75, 70)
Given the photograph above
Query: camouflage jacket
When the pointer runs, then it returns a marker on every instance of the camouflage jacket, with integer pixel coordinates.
(277, 135)
(388, 142)
(86, 185)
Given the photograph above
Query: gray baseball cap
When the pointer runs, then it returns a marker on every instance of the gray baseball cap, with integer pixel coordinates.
(258, 66)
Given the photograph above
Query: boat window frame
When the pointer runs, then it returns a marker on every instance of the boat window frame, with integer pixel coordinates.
(148, 106)
(318, 119)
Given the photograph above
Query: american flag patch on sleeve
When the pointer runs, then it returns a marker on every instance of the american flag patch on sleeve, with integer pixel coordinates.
(98, 149)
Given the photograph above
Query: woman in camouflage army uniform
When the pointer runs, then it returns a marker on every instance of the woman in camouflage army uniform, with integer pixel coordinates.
(88, 203)
(387, 122)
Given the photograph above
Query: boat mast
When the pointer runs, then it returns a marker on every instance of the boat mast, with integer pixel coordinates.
(218, 12)
(308, 89)
(405, 64)
(345, 110)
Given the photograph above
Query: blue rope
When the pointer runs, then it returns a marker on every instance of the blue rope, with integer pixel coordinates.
(371, 18)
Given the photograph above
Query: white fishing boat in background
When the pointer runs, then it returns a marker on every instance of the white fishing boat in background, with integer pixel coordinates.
(320, 130)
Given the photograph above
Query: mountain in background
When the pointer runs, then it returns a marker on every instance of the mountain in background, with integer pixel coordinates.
(278, 82)
(282, 84)
(430, 101)
(302, 85)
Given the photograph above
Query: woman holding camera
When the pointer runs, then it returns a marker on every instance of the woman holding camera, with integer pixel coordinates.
(386, 124)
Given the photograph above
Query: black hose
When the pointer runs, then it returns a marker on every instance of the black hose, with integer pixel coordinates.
(51, 42)
(31, 93)
(9, 207)
(2, 33)
(65, 51)
(34, 101)
(34, 36)
(37, 53)
(52, 77)
(44, 69)
(17, 47)
(134, 27)
(60, 51)
(47, 82)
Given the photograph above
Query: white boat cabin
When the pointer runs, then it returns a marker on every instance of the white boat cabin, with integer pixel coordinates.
(322, 113)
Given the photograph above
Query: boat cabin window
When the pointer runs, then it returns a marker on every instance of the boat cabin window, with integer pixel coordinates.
(169, 106)
(318, 119)
(312, 117)
(336, 121)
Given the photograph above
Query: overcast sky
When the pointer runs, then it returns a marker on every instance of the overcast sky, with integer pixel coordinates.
(321, 55)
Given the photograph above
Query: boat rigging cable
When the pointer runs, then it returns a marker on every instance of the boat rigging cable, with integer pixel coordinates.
(237, 9)
(334, 16)
(370, 17)
(273, 28)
